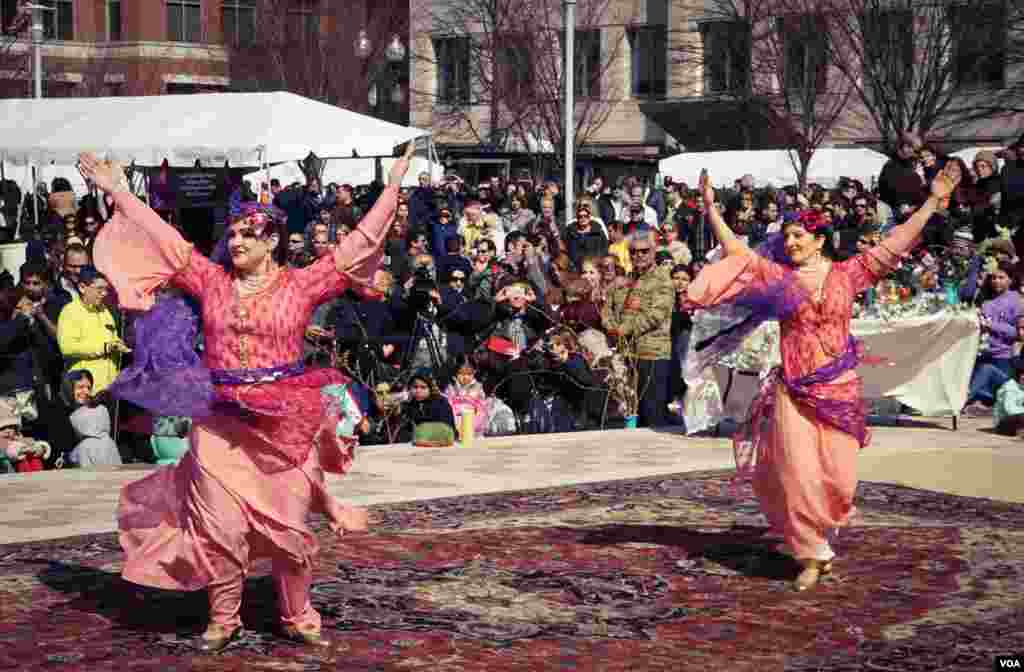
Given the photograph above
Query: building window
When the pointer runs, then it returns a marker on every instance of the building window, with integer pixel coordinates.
(587, 59)
(726, 47)
(239, 22)
(113, 20)
(59, 24)
(184, 21)
(649, 47)
(453, 78)
(886, 45)
(514, 76)
(979, 44)
(8, 14)
(805, 64)
(303, 23)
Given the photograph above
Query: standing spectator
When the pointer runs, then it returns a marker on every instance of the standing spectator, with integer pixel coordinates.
(476, 225)
(87, 331)
(900, 183)
(1011, 199)
(642, 311)
(442, 230)
(636, 200)
(345, 214)
(422, 206)
(37, 202)
(519, 217)
(584, 236)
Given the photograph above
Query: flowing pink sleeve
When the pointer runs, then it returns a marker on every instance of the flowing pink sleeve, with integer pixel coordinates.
(870, 266)
(360, 254)
(356, 258)
(139, 252)
(721, 281)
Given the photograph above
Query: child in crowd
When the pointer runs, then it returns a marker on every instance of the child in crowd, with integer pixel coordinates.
(91, 422)
(24, 453)
(1009, 407)
(492, 417)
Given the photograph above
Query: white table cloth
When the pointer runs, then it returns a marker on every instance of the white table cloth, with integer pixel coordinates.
(928, 364)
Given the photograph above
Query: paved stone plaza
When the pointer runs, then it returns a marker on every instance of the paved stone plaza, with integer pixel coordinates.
(923, 453)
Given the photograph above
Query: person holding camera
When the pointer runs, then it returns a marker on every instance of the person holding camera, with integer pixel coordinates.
(87, 331)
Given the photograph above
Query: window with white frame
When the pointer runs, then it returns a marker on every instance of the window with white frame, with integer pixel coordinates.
(649, 50)
(453, 78)
(239, 22)
(59, 23)
(184, 21)
(727, 53)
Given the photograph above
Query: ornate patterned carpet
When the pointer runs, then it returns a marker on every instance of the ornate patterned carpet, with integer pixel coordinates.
(669, 573)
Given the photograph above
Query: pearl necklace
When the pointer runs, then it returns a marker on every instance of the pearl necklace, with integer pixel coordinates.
(250, 284)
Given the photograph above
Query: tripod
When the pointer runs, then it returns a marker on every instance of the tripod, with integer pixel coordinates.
(425, 324)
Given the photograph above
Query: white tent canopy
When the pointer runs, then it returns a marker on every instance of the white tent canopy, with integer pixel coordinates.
(347, 171)
(774, 167)
(245, 129)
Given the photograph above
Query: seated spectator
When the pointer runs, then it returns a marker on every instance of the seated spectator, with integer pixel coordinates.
(91, 422)
(1008, 411)
(491, 416)
(24, 453)
(425, 406)
(1000, 317)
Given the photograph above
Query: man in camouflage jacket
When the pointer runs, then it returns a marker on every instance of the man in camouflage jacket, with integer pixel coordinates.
(640, 313)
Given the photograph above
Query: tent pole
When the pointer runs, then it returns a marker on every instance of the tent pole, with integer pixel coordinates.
(35, 197)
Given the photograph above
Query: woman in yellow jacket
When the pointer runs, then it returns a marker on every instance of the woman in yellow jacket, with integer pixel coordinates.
(87, 333)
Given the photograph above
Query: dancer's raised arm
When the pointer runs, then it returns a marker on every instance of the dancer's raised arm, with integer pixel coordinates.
(730, 243)
(360, 254)
(137, 250)
(903, 237)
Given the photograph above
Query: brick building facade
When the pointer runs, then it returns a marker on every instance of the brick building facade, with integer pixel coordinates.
(151, 47)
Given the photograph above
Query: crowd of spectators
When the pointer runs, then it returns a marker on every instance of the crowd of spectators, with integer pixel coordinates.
(489, 300)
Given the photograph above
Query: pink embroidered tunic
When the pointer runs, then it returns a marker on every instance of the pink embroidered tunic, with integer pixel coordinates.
(251, 476)
(808, 423)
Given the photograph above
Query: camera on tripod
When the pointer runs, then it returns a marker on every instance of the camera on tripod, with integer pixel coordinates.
(423, 284)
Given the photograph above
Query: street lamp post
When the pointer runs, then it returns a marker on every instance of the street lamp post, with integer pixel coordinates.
(37, 46)
(394, 53)
(569, 112)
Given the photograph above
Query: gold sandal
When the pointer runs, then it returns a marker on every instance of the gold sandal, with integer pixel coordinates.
(812, 571)
(217, 637)
(311, 636)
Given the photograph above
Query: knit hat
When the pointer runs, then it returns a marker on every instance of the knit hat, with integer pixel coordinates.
(8, 416)
(987, 156)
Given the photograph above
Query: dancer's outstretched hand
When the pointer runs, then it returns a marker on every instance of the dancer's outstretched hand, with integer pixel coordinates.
(107, 175)
(401, 167)
(706, 190)
(947, 180)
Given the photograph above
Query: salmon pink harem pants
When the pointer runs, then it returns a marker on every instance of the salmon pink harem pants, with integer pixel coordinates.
(202, 523)
(806, 478)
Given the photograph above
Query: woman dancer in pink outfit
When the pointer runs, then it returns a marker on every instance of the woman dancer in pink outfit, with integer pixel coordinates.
(257, 459)
(807, 424)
